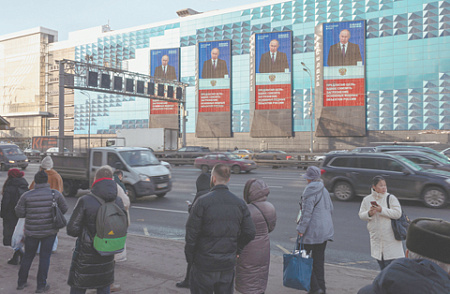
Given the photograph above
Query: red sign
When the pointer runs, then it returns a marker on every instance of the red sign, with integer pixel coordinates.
(163, 107)
(273, 97)
(217, 100)
(343, 92)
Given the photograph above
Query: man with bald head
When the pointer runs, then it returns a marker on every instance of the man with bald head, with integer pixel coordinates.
(214, 68)
(274, 60)
(218, 228)
(344, 53)
(165, 71)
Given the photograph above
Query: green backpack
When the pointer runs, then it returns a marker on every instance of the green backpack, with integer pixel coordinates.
(112, 225)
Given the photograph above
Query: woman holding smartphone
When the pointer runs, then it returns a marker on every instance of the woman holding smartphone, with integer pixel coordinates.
(374, 209)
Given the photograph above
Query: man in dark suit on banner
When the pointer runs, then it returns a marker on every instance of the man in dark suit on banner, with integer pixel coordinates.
(344, 53)
(274, 60)
(165, 71)
(214, 68)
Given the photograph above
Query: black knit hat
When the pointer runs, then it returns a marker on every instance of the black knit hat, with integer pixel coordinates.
(430, 238)
(41, 177)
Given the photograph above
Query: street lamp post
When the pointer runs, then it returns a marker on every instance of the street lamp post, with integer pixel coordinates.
(89, 118)
(308, 71)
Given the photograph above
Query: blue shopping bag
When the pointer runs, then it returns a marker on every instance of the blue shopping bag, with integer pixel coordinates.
(297, 270)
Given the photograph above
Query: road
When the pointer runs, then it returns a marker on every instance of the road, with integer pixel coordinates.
(166, 217)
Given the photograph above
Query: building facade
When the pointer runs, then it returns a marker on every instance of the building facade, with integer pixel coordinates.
(406, 66)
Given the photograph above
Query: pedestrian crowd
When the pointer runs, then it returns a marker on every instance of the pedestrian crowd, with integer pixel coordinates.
(227, 244)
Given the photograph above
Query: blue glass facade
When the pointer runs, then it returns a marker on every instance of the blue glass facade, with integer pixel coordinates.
(407, 61)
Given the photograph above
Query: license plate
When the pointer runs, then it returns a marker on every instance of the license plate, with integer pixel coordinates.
(159, 186)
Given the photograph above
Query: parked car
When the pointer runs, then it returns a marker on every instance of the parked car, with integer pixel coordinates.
(351, 174)
(31, 152)
(55, 151)
(446, 152)
(387, 148)
(189, 152)
(272, 155)
(12, 156)
(363, 150)
(243, 153)
(237, 164)
(322, 157)
(425, 160)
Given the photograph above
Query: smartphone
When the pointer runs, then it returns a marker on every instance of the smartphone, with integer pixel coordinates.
(188, 202)
(374, 203)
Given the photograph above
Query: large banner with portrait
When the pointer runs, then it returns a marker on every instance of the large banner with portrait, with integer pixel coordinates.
(339, 68)
(164, 65)
(271, 92)
(214, 89)
(343, 55)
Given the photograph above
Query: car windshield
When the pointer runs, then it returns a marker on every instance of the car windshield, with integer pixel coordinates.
(439, 159)
(139, 158)
(411, 164)
(12, 150)
(232, 156)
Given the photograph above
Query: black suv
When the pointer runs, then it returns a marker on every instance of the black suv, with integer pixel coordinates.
(350, 174)
(189, 152)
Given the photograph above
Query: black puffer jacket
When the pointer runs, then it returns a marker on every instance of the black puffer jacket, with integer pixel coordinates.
(14, 188)
(90, 270)
(219, 222)
(36, 207)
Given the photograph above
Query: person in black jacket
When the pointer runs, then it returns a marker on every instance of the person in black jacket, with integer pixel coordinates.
(36, 207)
(90, 270)
(14, 186)
(218, 227)
(203, 186)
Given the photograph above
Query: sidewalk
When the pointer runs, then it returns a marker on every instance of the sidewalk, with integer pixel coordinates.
(155, 265)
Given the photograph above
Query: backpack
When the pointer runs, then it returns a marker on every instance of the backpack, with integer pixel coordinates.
(112, 225)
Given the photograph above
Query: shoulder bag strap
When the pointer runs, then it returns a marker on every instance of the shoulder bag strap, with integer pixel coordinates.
(53, 199)
(267, 223)
(387, 200)
(99, 199)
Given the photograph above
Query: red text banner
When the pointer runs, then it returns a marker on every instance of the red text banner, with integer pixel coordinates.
(343, 92)
(217, 100)
(273, 97)
(163, 107)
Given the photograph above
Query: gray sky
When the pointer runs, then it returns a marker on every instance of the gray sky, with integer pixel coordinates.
(66, 16)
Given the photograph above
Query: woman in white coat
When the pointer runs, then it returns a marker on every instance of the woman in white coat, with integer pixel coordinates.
(374, 209)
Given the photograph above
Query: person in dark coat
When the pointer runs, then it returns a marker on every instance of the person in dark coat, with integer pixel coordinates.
(219, 224)
(90, 270)
(214, 68)
(203, 186)
(344, 53)
(36, 206)
(14, 186)
(252, 269)
(273, 60)
(426, 268)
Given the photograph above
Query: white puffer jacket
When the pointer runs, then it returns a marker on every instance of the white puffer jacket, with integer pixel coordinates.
(382, 241)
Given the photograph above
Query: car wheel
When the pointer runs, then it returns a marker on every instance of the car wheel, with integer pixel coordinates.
(131, 193)
(161, 195)
(70, 189)
(205, 169)
(434, 197)
(236, 169)
(343, 191)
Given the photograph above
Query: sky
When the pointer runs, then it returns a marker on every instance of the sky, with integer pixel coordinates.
(67, 16)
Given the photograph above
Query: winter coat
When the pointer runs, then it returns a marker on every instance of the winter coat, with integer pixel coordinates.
(412, 276)
(316, 223)
(383, 244)
(54, 179)
(36, 207)
(252, 269)
(203, 187)
(11, 194)
(218, 224)
(89, 269)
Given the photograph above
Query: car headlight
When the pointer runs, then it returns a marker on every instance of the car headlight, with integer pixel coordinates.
(144, 178)
(11, 161)
(448, 181)
(170, 176)
(26, 160)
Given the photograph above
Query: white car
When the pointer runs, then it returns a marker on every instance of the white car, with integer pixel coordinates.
(55, 150)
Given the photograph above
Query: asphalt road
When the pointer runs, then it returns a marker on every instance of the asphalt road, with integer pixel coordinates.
(166, 217)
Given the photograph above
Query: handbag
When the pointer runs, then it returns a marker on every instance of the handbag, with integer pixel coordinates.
(399, 226)
(297, 269)
(59, 220)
